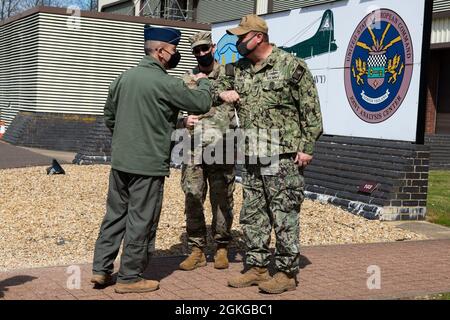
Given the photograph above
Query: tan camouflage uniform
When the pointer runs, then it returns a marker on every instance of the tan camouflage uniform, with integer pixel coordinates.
(220, 177)
(279, 94)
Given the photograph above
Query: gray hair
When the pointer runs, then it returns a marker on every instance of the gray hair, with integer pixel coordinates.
(150, 46)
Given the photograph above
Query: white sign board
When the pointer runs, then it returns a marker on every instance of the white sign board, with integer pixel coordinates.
(365, 57)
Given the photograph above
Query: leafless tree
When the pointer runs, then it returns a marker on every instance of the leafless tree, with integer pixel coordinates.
(9, 8)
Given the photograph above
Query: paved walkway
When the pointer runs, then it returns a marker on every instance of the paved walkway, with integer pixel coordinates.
(18, 157)
(430, 230)
(328, 272)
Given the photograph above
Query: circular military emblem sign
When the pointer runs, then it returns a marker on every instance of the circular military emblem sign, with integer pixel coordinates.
(378, 66)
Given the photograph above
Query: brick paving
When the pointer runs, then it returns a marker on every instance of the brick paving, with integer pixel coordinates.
(328, 272)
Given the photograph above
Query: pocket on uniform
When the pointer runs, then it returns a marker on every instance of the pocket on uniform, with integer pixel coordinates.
(293, 178)
(276, 93)
(294, 181)
(242, 87)
(277, 85)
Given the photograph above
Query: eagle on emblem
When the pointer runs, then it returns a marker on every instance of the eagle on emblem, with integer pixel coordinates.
(378, 65)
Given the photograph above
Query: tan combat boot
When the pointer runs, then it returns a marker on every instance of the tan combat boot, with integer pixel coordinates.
(221, 258)
(280, 283)
(137, 287)
(196, 259)
(102, 279)
(253, 276)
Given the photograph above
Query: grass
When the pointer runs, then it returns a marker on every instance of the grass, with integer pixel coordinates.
(438, 205)
(440, 296)
(443, 296)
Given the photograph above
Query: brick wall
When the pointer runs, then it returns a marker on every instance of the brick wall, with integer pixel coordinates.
(54, 131)
(439, 145)
(96, 147)
(342, 164)
(409, 199)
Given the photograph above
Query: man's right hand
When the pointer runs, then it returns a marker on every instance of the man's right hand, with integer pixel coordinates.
(190, 121)
(229, 96)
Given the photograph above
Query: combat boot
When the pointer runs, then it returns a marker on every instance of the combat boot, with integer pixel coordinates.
(102, 280)
(196, 259)
(221, 257)
(137, 287)
(280, 283)
(253, 276)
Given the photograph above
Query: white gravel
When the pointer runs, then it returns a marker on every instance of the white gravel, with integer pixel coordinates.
(54, 220)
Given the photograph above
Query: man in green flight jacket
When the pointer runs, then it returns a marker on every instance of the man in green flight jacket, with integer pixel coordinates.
(141, 111)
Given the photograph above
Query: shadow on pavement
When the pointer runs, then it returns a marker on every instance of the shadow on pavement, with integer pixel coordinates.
(164, 262)
(13, 282)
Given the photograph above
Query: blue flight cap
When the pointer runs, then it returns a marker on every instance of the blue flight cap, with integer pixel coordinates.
(168, 35)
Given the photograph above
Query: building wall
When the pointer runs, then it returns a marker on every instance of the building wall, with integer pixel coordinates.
(295, 4)
(443, 102)
(209, 11)
(441, 30)
(441, 5)
(438, 102)
(102, 3)
(62, 67)
(126, 7)
(18, 66)
(432, 87)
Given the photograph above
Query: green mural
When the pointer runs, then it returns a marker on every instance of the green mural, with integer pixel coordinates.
(322, 42)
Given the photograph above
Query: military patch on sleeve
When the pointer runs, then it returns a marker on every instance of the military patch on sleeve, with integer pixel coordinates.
(298, 74)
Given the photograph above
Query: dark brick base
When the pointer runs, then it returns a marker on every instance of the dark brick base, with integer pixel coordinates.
(342, 164)
(96, 148)
(440, 151)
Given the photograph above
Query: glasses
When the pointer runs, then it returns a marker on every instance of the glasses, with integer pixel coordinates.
(201, 48)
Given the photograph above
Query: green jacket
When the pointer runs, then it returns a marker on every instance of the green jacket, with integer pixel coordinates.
(141, 111)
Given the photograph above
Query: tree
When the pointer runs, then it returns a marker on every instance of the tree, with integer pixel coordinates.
(9, 8)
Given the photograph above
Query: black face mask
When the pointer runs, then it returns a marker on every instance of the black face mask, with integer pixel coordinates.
(206, 60)
(174, 60)
(242, 47)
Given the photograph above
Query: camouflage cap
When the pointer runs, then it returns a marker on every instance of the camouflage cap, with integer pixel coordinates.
(250, 22)
(200, 38)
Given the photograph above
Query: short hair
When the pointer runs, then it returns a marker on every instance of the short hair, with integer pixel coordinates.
(151, 45)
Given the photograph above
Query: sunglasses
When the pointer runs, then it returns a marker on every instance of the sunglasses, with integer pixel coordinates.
(201, 48)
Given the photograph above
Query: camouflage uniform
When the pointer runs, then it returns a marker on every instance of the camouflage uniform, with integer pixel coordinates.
(279, 94)
(220, 176)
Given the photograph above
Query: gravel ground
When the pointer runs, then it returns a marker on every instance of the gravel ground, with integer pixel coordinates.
(54, 220)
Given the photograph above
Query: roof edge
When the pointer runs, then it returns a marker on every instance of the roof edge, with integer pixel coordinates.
(107, 16)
